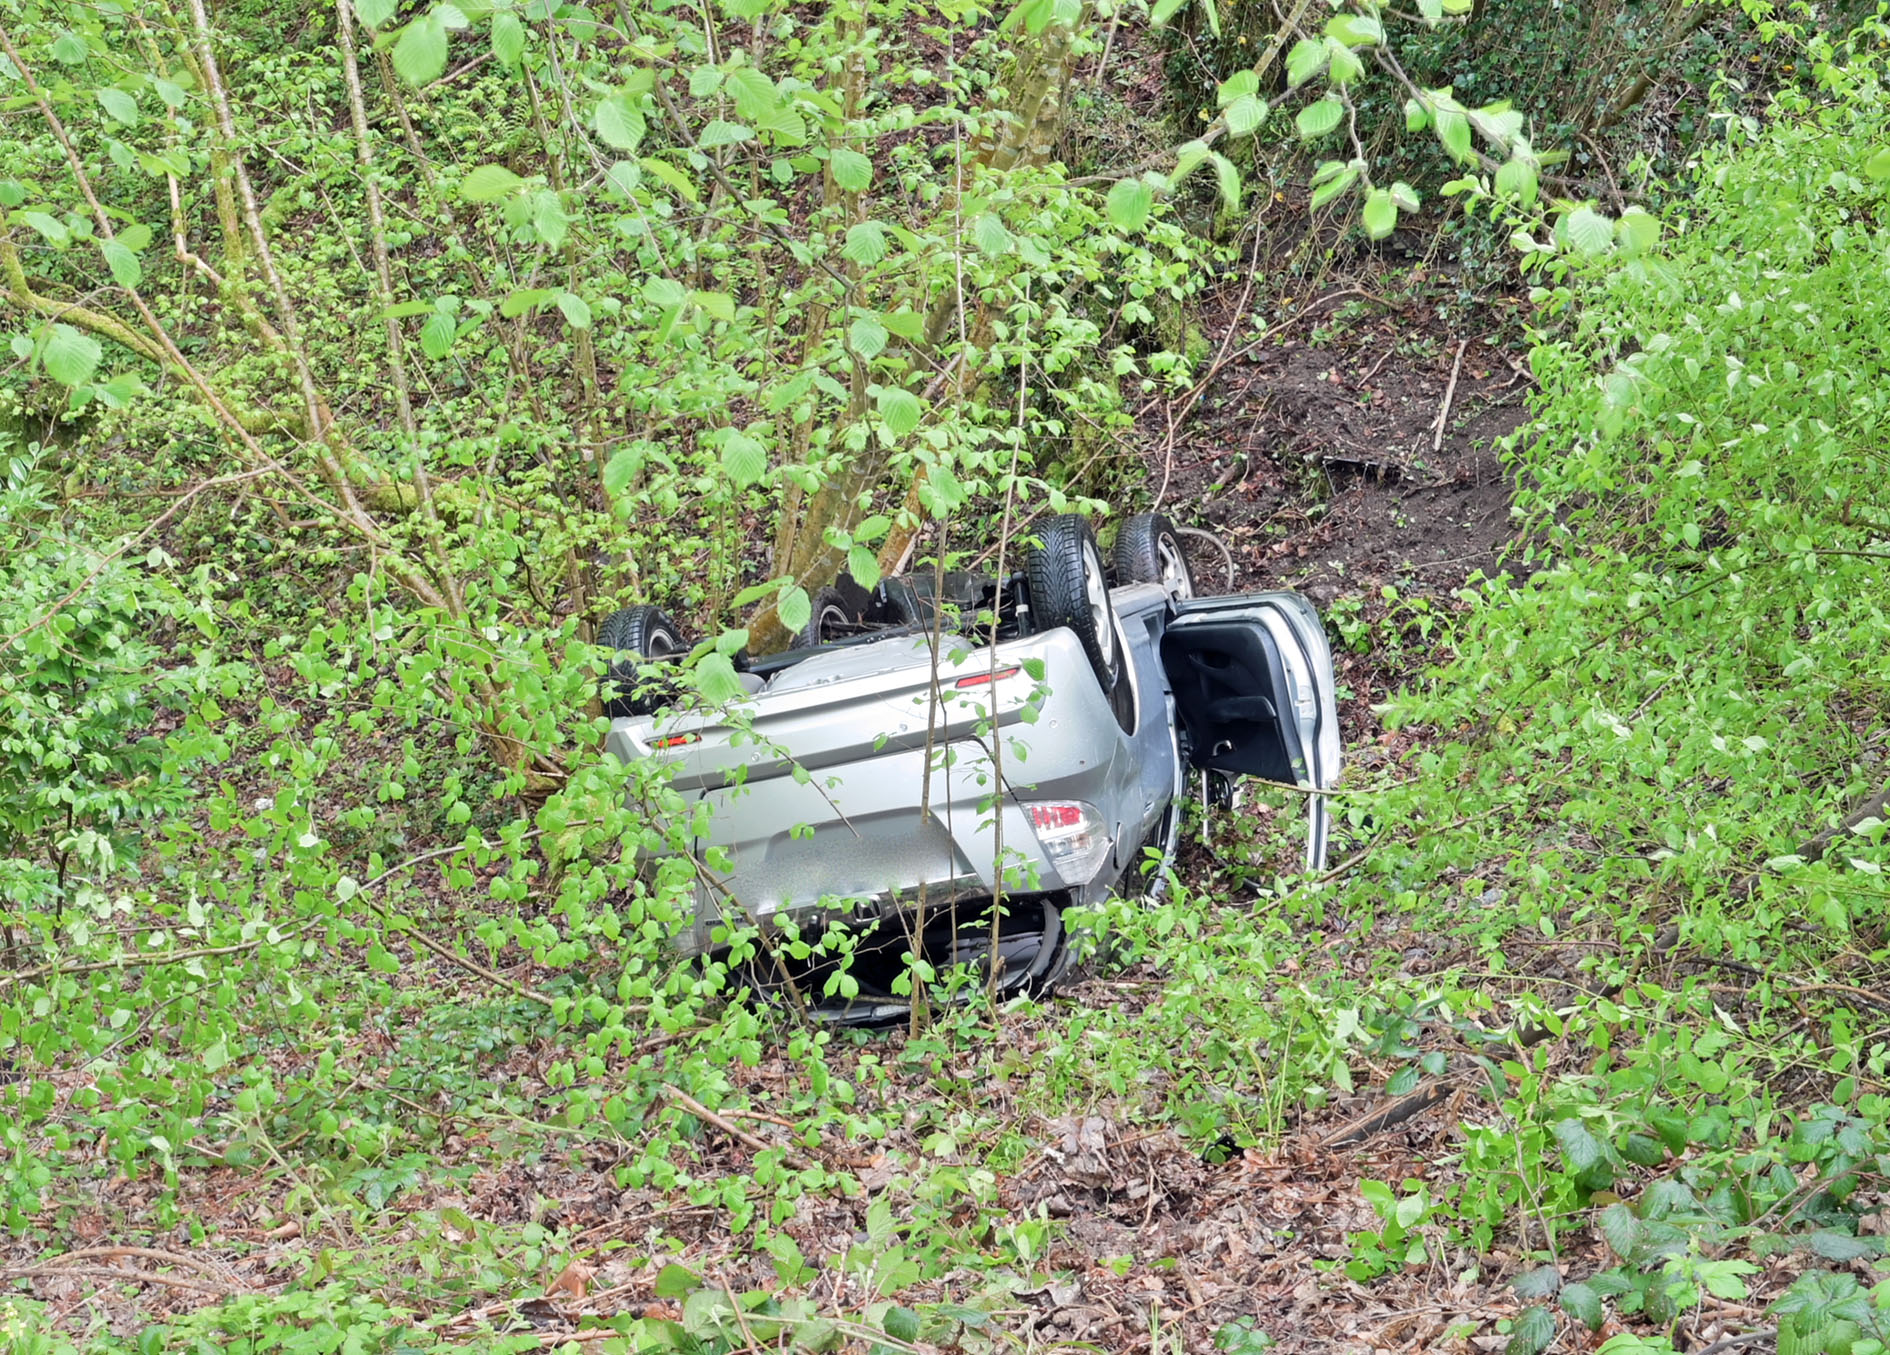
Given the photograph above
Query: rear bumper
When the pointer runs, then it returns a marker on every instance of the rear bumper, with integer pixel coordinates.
(892, 794)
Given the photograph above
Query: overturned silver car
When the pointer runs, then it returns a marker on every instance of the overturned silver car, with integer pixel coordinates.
(900, 772)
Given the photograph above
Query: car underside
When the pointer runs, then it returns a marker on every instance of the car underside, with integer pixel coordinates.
(945, 745)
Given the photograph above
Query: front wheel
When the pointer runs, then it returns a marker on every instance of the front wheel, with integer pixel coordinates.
(1067, 588)
(640, 634)
(1148, 550)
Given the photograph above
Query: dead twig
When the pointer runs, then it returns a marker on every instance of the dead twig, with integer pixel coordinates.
(1387, 1116)
(1376, 365)
(122, 1276)
(1213, 538)
(1744, 1338)
(1814, 848)
(1450, 393)
(143, 1253)
(685, 1101)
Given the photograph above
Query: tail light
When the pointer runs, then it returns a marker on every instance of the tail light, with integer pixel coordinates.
(986, 679)
(1072, 835)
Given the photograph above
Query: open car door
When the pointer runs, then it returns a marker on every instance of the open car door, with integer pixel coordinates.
(1255, 695)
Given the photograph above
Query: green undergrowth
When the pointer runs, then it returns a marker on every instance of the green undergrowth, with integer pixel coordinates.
(1617, 913)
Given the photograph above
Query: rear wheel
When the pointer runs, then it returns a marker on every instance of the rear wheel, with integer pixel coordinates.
(640, 634)
(831, 619)
(1067, 588)
(1148, 550)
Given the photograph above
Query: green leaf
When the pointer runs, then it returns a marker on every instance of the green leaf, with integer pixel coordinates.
(1237, 86)
(1432, 11)
(906, 324)
(868, 337)
(717, 681)
(899, 410)
(743, 457)
(1244, 116)
(754, 93)
(1402, 1081)
(1355, 30)
(1346, 66)
(1380, 214)
(1877, 167)
(1307, 59)
(436, 335)
(1833, 1245)
(1227, 178)
(618, 125)
(1319, 118)
(1531, 1332)
(623, 178)
(1416, 116)
(69, 48)
(1334, 188)
(1584, 1305)
(852, 172)
(1581, 1150)
(549, 221)
(53, 230)
(1623, 1231)
(70, 357)
(672, 176)
(674, 1281)
(863, 565)
(525, 299)
(1453, 129)
(1538, 1283)
(170, 92)
(123, 261)
(794, 608)
(1589, 231)
(1642, 1150)
(420, 55)
(1129, 204)
(489, 183)
(576, 311)
(1517, 179)
(988, 233)
(902, 1324)
(1163, 10)
(1671, 1126)
(508, 38)
(1188, 159)
(866, 244)
(374, 13)
(118, 105)
(1638, 231)
(622, 469)
(719, 133)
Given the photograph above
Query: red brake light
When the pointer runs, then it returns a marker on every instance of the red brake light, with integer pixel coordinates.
(983, 679)
(674, 741)
(1054, 815)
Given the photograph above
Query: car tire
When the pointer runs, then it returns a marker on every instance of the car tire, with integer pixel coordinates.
(641, 634)
(1148, 550)
(1068, 588)
(830, 619)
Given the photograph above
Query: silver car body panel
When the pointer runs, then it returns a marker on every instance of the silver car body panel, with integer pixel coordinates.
(813, 794)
